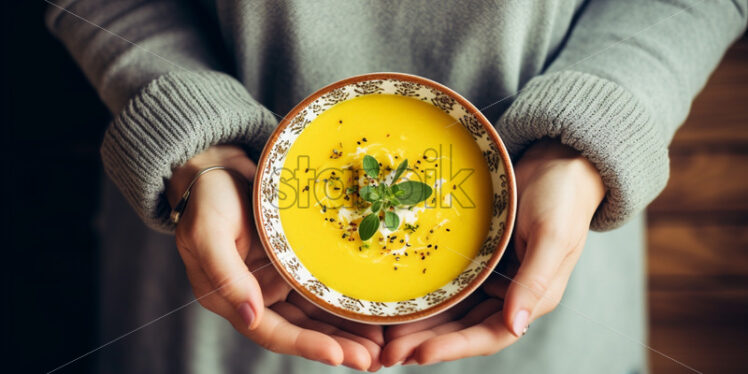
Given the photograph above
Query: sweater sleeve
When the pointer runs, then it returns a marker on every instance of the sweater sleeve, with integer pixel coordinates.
(621, 86)
(152, 66)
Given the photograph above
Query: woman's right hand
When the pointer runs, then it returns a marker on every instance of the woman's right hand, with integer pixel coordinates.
(232, 276)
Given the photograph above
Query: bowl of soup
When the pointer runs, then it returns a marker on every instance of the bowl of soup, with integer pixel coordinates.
(384, 198)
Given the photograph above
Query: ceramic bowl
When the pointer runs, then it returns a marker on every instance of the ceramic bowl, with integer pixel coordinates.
(283, 257)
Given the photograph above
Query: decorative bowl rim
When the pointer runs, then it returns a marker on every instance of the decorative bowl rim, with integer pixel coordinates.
(405, 317)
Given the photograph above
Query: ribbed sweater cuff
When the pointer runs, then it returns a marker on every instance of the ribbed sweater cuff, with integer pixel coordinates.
(168, 122)
(606, 124)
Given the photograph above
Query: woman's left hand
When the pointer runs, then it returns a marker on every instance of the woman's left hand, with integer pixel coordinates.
(558, 193)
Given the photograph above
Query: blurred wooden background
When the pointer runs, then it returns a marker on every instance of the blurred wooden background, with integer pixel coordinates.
(698, 233)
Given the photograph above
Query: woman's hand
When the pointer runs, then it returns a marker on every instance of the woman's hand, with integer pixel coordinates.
(558, 193)
(231, 275)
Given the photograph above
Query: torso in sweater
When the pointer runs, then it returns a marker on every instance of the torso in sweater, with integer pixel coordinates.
(486, 50)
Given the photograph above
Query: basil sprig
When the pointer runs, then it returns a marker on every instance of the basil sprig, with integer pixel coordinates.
(383, 197)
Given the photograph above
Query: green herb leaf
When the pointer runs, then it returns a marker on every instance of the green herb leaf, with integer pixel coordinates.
(400, 170)
(382, 190)
(396, 192)
(369, 194)
(351, 190)
(386, 198)
(391, 220)
(371, 166)
(412, 192)
(369, 225)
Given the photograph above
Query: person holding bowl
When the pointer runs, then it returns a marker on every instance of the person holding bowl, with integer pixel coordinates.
(586, 96)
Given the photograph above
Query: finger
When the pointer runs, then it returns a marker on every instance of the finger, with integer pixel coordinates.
(538, 268)
(276, 288)
(497, 286)
(393, 332)
(484, 338)
(457, 345)
(490, 336)
(398, 350)
(274, 333)
(277, 334)
(217, 254)
(204, 292)
(403, 348)
(475, 316)
(555, 293)
(355, 355)
(370, 332)
(370, 336)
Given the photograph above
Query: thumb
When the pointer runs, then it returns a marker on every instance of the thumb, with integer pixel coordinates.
(230, 277)
(538, 268)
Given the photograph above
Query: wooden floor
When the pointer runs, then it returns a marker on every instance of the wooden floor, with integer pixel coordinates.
(698, 233)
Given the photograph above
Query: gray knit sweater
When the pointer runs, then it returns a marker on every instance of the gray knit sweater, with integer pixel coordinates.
(611, 78)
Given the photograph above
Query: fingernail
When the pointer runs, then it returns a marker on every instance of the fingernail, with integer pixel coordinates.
(328, 362)
(520, 322)
(246, 313)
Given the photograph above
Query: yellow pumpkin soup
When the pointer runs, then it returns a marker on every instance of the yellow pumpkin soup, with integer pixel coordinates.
(385, 198)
